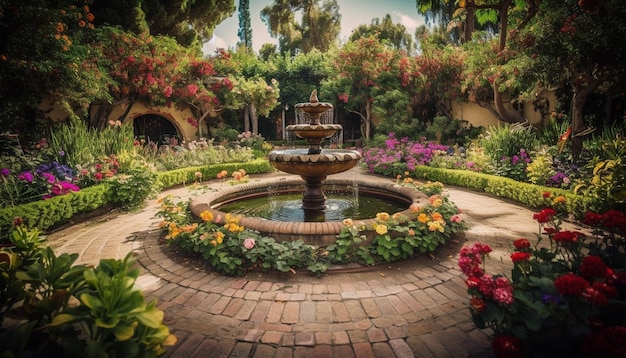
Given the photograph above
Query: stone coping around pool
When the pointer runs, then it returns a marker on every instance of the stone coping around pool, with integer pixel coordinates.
(319, 234)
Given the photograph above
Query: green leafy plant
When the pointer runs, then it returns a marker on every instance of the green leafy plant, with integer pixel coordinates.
(134, 184)
(61, 309)
(113, 314)
(607, 179)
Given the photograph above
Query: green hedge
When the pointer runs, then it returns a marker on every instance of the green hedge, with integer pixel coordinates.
(45, 214)
(187, 175)
(527, 194)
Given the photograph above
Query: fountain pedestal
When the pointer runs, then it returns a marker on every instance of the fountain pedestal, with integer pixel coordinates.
(314, 164)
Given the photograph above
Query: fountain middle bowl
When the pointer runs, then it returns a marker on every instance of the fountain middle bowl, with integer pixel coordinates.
(329, 161)
(319, 234)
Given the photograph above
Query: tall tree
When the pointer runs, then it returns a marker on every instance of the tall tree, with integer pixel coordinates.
(580, 45)
(363, 70)
(188, 21)
(385, 30)
(245, 26)
(319, 26)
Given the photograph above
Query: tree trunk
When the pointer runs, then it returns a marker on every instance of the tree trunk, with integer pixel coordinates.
(254, 118)
(470, 23)
(368, 118)
(246, 118)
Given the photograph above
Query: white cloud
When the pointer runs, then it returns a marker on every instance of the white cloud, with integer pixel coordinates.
(213, 44)
(410, 23)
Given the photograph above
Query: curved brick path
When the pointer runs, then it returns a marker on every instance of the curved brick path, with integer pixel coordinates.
(412, 309)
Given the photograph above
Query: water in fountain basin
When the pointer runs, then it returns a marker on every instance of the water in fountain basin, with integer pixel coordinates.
(288, 207)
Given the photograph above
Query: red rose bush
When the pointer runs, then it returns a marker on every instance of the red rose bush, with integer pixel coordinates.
(565, 296)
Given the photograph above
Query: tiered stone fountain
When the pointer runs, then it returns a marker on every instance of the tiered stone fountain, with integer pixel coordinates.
(314, 164)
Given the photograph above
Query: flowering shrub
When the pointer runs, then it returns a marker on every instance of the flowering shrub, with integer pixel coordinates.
(396, 237)
(229, 247)
(513, 167)
(563, 297)
(43, 182)
(102, 168)
(400, 155)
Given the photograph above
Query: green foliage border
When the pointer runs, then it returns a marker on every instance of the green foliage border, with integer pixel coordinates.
(45, 214)
(527, 194)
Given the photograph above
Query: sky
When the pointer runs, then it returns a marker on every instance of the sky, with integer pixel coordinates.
(353, 13)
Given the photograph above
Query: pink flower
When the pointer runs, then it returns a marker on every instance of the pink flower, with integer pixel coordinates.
(503, 295)
(249, 243)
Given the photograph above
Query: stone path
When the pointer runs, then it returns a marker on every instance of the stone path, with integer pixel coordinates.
(416, 308)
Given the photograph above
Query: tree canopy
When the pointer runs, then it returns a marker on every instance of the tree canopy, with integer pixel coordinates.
(188, 21)
(318, 28)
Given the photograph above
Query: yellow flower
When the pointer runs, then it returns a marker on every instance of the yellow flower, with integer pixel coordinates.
(206, 216)
(382, 216)
(219, 237)
(423, 218)
(408, 180)
(437, 202)
(435, 226)
(348, 222)
(381, 229)
(559, 199)
(230, 218)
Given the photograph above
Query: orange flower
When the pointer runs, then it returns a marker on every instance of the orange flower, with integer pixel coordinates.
(423, 218)
(82, 23)
(90, 17)
(437, 216)
(60, 27)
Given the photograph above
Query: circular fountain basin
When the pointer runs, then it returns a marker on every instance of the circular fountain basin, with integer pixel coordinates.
(319, 234)
(329, 161)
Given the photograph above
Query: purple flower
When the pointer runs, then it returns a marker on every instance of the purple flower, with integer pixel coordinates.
(61, 153)
(550, 299)
(5, 172)
(26, 176)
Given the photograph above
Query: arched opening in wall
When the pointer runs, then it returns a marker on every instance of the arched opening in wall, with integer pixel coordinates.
(157, 129)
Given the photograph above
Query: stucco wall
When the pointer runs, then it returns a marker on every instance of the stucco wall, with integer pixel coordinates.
(176, 116)
(479, 116)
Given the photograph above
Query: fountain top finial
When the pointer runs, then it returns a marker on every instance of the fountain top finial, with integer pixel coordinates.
(313, 98)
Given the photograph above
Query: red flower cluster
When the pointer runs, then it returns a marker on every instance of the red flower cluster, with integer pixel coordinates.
(593, 266)
(597, 293)
(483, 286)
(521, 244)
(517, 257)
(507, 346)
(544, 215)
(562, 237)
(571, 284)
(612, 219)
